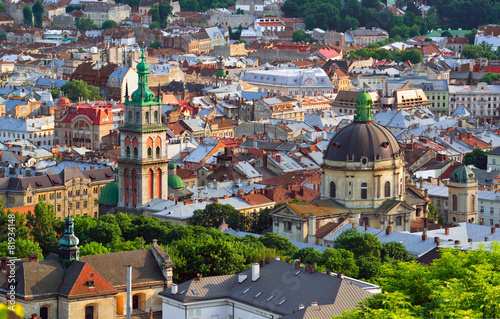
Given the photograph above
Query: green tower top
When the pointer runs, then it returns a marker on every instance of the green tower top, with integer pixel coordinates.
(68, 243)
(143, 95)
(462, 174)
(363, 107)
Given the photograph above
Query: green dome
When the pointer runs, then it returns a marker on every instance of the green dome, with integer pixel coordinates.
(69, 239)
(109, 194)
(175, 182)
(363, 97)
(463, 174)
(172, 165)
(142, 66)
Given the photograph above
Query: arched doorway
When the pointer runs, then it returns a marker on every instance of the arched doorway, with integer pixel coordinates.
(89, 312)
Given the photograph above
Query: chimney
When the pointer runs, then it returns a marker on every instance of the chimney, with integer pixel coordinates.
(486, 239)
(278, 158)
(268, 260)
(366, 227)
(457, 242)
(34, 316)
(197, 277)
(447, 231)
(436, 240)
(469, 240)
(242, 277)
(388, 230)
(301, 307)
(3, 264)
(353, 225)
(129, 292)
(33, 258)
(339, 274)
(312, 269)
(255, 271)
(287, 260)
(493, 230)
(174, 289)
(151, 313)
(314, 304)
(424, 236)
(297, 264)
(328, 272)
(307, 267)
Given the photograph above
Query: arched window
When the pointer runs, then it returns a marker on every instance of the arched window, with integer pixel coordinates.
(333, 190)
(454, 204)
(89, 312)
(472, 202)
(156, 116)
(364, 191)
(136, 152)
(130, 116)
(127, 151)
(150, 152)
(147, 116)
(137, 117)
(157, 152)
(387, 189)
(150, 184)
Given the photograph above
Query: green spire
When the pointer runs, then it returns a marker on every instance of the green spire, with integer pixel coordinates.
(68, 244)
(363, 107)
(143, 95)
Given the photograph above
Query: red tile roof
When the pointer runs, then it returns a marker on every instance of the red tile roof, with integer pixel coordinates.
(447, 173)
(95, 114)
(257, 199)
(87, 278)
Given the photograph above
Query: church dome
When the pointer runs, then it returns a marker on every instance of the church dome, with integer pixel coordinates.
(172, 165)
(462, 174)
(175, 182)
(109, 194)
(363, 138)
(63, 101)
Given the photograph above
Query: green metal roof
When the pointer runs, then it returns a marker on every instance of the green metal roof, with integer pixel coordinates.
(462, 174)
(109, 194)
(171, 165)
(363, 107)
(455, 33)
(175, 181)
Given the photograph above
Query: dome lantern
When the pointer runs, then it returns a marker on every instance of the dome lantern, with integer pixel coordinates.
(364, 105)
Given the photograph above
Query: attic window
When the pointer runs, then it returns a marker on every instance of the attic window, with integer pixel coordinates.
(182, 292)
(91, 283)
(92, 176)
(38, 184)
(194, 292)
(108, 175)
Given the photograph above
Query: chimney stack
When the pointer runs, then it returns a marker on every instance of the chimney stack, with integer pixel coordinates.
(297, 264)
(457, 242)
(241, 277)
(436, 240)
(255, 271)
(353, 225)
(447, 231)
(493, 230)
(486, 239)
(328, 272)
(388, 230)
(129, 292)
(312, 269)
(339, 275)
(174, 289)
(424, 236)
(469, 240)
(33, 258)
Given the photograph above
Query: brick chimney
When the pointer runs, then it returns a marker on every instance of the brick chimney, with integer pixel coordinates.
(278, 158)
(457, 242)
(353, 225)
(493, 230)
(469, 240)
(486, 239)
(388, 230)
(312, 269)
(424, 236)
(33, 258)
(436, 240)
(447, 231)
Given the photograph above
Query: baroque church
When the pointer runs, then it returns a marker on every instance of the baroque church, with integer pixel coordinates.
(364, 182)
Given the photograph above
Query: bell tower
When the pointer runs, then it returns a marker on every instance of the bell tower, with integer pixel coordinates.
(143, 162)
(463, 192)
(68, 243)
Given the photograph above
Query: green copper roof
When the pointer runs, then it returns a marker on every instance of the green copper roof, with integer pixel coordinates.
(143, 95)
(109, 194)
(69, 239)
(171, 165)
(175, 181)
(462, 174)
(363, 107)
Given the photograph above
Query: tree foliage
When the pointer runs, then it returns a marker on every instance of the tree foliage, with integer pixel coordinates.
(155, 45)
(461, 284)
(38, 10)
(361, 244)
(27, 15)
(77, 89)
(301, 36)
(108, 24)
(414, 55)
(204, 5)
(43, 226)
(477, 158)
(85, 24)
(160, 13)
(490, 77)
(73, 7)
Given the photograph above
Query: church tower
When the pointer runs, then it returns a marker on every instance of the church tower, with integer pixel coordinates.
(68, 243)
(463, 191)
(143, 162)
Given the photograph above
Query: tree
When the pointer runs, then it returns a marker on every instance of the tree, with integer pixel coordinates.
(361, 244)
(73, 7)
(23, 248)
(38, 10)
(6, 217)
(165, 10)
(446, 34)
(155, 45)
(213, 214)
(43, 224)
(78, 89)
(93, 248)
(470, 79)
(260, 221)
(2, 6)
(85, 24)
(155, 12)
(281, 244)
(27, 15)
(395, 250)
(108, 24)
(154, 25)
(309, 256)
(477, 158)
(412, 7)
(471, 36)
(340, 260)
(490, 77)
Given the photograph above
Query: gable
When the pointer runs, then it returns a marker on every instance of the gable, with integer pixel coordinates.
(81, 279)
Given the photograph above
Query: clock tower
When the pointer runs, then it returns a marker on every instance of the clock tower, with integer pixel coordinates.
(143, 172)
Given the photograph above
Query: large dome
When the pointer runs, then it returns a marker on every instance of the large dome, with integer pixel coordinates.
(362, 139)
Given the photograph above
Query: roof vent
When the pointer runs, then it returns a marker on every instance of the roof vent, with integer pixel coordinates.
(174, 289)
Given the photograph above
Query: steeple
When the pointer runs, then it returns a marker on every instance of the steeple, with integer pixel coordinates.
(363, 107)
(143, 95)
(68, 244)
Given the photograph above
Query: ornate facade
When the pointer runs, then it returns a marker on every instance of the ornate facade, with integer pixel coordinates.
(143, 161)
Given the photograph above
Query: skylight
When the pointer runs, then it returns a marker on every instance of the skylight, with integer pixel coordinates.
(269, 299)
(246, 290)
(282, 302)
(258, 294)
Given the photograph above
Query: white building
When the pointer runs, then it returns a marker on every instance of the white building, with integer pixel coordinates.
(269, 24)
(481, 100)
(40, 131)
(309, 82)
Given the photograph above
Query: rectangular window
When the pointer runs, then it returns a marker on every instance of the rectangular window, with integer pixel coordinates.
(85, 204)
(491, 222)
(77, 205)
(58, 207)
(288, 226)
(70, 206)
(492, 210)
(59, 195)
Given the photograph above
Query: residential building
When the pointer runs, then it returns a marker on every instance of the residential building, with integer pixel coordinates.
(269, 24)
(289, 82)
(39, 131)
(482, 100)
(72, 191)
(457, 43)
(493, 159)
(260, 292)
(122, 79)
(100, 12)
(364, 37)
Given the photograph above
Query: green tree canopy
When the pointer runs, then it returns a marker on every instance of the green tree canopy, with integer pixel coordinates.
(38, 10)
(477, 158)
(43, 225)
(155, 45)
(27, 15)
(154, 25)
(361, 244)
(108, 24)
(340, 260)
(85, 24)
(279, 243)
(490, 77)
(77, 89)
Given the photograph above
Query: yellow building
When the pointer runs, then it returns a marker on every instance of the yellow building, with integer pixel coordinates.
(72, 191)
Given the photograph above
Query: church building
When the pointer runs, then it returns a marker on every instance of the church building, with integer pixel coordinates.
(363, 182)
